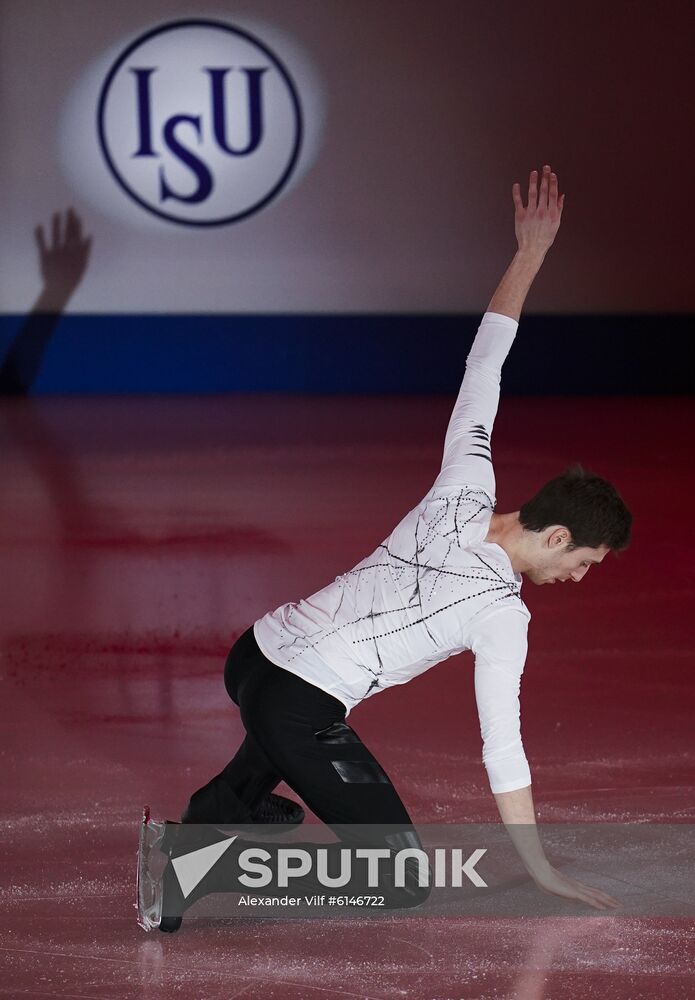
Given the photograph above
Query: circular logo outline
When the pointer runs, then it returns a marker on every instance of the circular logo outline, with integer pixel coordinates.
(294, 96)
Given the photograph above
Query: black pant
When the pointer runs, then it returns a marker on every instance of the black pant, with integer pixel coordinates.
(296, 732)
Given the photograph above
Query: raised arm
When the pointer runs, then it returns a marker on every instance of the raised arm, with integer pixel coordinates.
(500, 653)
(467, 458)
(63, 261)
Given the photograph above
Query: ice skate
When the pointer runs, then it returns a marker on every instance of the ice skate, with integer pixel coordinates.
(160, 902)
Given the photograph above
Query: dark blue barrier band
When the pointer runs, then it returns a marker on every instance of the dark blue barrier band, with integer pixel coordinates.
(323, 353)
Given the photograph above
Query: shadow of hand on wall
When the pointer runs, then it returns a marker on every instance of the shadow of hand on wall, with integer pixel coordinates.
(63, 262)
(31, 426)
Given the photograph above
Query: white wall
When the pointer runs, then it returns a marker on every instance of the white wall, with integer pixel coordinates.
(419, 118)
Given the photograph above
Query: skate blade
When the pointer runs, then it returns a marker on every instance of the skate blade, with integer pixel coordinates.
(151, 861)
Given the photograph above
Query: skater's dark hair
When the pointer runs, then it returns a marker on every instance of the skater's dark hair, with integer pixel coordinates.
(587, 505)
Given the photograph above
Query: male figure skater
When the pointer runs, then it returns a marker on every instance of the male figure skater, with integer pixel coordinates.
(448, 578)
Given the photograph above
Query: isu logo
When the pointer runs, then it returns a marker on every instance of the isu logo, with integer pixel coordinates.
(200, 123)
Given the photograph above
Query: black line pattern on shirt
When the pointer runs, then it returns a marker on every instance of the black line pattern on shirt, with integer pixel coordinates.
(513, 588)
(438, 611)
(432, 526)
(417, 592)
(427, 567)
(456, 528)
(438, 572)
(499, 581)
(389, 611)
(375, 676)
(482, 442)
(490, 582)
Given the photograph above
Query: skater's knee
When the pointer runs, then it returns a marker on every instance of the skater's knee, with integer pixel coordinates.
(233, 667)
(230, 678)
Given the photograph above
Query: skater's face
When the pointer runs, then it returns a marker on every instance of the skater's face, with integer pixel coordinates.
(553, 560)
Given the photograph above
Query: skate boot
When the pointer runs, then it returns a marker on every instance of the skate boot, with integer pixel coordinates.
(216, 804)
(177, 890)
(172, 901)
(159, 900)
(279, 809)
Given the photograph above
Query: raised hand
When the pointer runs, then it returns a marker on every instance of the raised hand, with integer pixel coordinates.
(64, 260)
(537, 224)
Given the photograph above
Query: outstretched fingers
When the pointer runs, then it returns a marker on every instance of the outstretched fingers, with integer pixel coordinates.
(603, 897)
(536, 225)
(541, 196)
(539, 200)
(596, 897)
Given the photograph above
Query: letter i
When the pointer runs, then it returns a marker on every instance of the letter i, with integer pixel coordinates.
(144, 111)
(440, 867)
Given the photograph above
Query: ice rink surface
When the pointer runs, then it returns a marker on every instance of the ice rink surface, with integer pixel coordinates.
(140, 537)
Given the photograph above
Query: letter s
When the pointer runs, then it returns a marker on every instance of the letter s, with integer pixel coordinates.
(260, 874)
(196, 165)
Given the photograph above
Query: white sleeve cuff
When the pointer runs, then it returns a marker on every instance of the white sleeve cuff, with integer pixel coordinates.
(501, 318)
(510, 785)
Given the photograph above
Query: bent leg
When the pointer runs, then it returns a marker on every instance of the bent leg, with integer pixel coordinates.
(235, 793)
(300, 732)
(297, 732)
(250, 774)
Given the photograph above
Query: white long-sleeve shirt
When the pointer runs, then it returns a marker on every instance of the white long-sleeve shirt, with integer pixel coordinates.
(433, 588)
